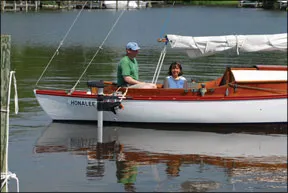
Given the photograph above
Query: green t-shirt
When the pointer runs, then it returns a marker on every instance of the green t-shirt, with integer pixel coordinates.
(127, 67)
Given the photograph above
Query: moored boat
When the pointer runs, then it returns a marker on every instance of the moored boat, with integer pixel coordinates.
(124, 4)
(233, 98)
(241, 95)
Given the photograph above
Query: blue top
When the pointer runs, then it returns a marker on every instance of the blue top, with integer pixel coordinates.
(172, 83)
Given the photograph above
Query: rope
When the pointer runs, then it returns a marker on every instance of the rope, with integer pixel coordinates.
(15, 93)
(3, 111)
(100, 47)
(120, 97)
(123, 95)
(60, 44)
(257, 88)
(7, 175)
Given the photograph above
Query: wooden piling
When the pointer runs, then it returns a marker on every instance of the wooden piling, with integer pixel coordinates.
(149, 4)
(26, 6)
(15, 6)
(5, 72)
(101, 4)
(3, 3)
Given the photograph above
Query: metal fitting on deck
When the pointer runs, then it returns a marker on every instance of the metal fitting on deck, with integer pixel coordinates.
(202, 90)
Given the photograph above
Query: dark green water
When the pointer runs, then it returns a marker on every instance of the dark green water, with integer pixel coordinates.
(63, 167)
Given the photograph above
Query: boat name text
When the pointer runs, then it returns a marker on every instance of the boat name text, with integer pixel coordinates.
(83, 103)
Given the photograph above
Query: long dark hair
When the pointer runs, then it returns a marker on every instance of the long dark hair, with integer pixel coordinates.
(173, 65)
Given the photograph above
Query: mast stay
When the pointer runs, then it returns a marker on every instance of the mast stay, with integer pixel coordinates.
(61, 43)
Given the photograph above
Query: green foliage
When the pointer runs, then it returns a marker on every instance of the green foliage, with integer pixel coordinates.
(205, 2)
(269, 4)
(48, 2)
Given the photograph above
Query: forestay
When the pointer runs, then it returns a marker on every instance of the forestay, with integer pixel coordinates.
(208, 45)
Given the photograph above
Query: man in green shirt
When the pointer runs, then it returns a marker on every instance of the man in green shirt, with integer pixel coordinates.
(127, 72)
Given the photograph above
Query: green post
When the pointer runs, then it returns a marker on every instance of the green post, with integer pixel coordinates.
(5, 71)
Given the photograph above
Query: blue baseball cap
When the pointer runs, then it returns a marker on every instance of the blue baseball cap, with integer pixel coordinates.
(133, 46)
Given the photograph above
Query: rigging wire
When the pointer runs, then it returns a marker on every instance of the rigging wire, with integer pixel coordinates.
(61, 43)
(163, 52)
(99, 48)
(165, 22)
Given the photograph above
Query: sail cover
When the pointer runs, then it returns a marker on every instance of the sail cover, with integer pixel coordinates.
(208, 45)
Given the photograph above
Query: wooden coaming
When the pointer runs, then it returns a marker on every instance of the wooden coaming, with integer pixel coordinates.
(222, 88)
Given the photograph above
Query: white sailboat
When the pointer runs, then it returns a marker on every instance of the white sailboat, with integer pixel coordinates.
(124, 4)
(242, 95)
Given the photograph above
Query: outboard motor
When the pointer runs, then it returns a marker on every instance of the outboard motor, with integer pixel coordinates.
(105, 103)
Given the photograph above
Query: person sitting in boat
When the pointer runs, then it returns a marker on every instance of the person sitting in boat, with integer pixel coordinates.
(127, 72)
(175, 78)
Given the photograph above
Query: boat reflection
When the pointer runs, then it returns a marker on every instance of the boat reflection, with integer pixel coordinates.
(131, 148)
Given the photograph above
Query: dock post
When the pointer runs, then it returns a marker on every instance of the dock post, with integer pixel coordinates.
(20, 6)
(100, 115)
(101, 4)
(149, 4)
(3, 5)
(5, 72)
(26, 6)
(36, 5)
(15, 6)
(116, 4)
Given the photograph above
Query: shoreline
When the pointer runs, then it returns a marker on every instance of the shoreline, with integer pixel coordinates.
(67, 5)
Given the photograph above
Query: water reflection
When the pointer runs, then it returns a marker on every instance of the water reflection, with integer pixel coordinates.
(131, 149)
(199, 186)
(126, 173)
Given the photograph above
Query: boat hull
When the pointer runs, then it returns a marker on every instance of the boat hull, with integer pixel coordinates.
(261, 110)
(124, 4)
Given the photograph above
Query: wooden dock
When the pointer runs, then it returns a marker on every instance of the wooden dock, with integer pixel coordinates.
(282, 4)
(19, 5)
(252, 4)
(27, 5)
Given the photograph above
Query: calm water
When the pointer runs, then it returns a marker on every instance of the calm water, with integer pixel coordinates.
(49, 156)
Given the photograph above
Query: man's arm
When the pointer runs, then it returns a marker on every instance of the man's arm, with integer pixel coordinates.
(130, 80)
